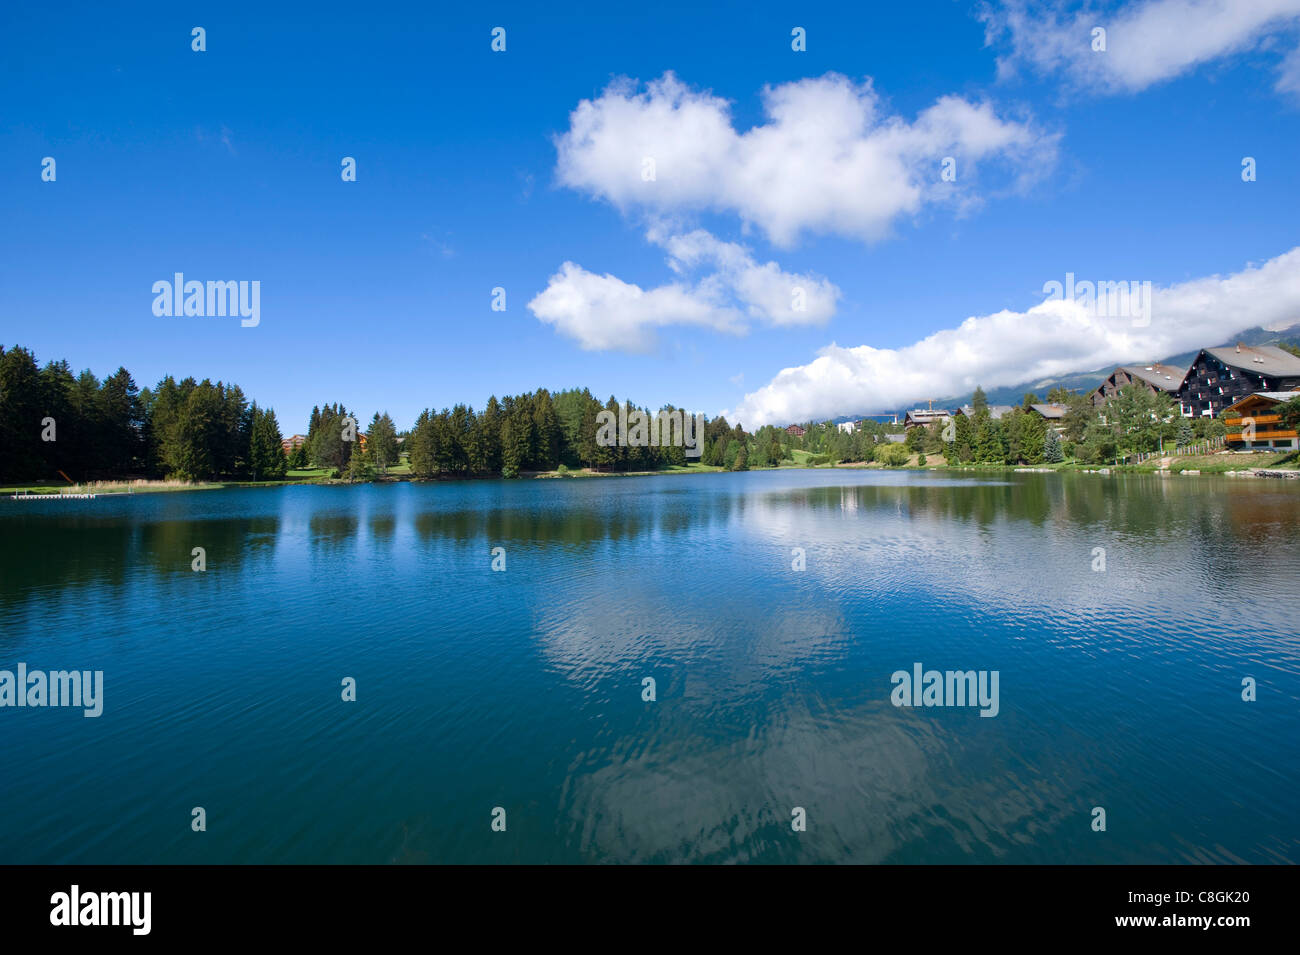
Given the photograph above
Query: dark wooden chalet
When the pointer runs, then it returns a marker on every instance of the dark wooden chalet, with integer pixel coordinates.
(1154, 377)
(1221, 376)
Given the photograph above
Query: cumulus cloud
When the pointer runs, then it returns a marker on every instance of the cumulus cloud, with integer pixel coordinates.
(1053, 338)
(827, 160)
(1147, 42)
(603, 312)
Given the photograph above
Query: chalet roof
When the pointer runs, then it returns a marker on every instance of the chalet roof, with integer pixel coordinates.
(1273, 396)
(929, 413)
(1261, 359)
(1164, 377)
(896, 438)
(1050, 411)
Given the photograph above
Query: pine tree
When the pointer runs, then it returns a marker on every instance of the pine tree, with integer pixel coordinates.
(1033, 439)
(123, 421)
(381, 442)
(963, 447)
(492, 419)
(20, 411)
(610, 455)
(510, 448)
(988, 443)
(359, 467)
(256, 450)
(266, 447)
(328, 447)
(419, 447)
(546, 425)
(477, 444)
(1053, 453)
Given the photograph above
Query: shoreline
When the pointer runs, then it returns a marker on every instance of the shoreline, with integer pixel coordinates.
(37, 491)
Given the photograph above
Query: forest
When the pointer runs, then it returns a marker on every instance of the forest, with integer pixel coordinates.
(55, 423)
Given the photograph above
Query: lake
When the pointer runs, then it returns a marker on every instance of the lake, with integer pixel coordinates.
(1120, 671)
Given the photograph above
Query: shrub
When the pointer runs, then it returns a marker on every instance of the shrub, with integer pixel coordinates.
(891, 455)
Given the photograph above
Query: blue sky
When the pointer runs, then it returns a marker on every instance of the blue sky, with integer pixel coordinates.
(1122, 164)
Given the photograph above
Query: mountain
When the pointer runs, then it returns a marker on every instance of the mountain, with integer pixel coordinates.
(1088, 380)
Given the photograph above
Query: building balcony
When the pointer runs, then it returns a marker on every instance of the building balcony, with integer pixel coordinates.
(1261, 435)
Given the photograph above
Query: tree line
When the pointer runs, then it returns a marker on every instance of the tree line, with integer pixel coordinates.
(1133, 421)
(201, 430)
(541, 431)
(53, 421)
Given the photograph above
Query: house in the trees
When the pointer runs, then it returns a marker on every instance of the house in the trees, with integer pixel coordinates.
(293, 443)
(1221, 376)
(924, 417)
(1253, 422)
(1155, 378)
(795, 430)
(1054, 415)
(1049, 412)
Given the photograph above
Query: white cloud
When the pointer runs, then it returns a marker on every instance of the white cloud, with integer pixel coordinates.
(1053, 338)
(1288, 79)
(827, 160)
(603, 312)
(1147, 42)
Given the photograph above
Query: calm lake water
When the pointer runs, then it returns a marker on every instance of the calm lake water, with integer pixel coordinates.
(522, 689)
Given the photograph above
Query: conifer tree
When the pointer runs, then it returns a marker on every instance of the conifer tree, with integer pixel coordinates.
(266, 458)
(359, 467)
(1053, 453)
(510, 458)
(381, 442)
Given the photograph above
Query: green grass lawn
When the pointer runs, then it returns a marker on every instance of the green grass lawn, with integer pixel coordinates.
(307, 474)
(803, 459)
